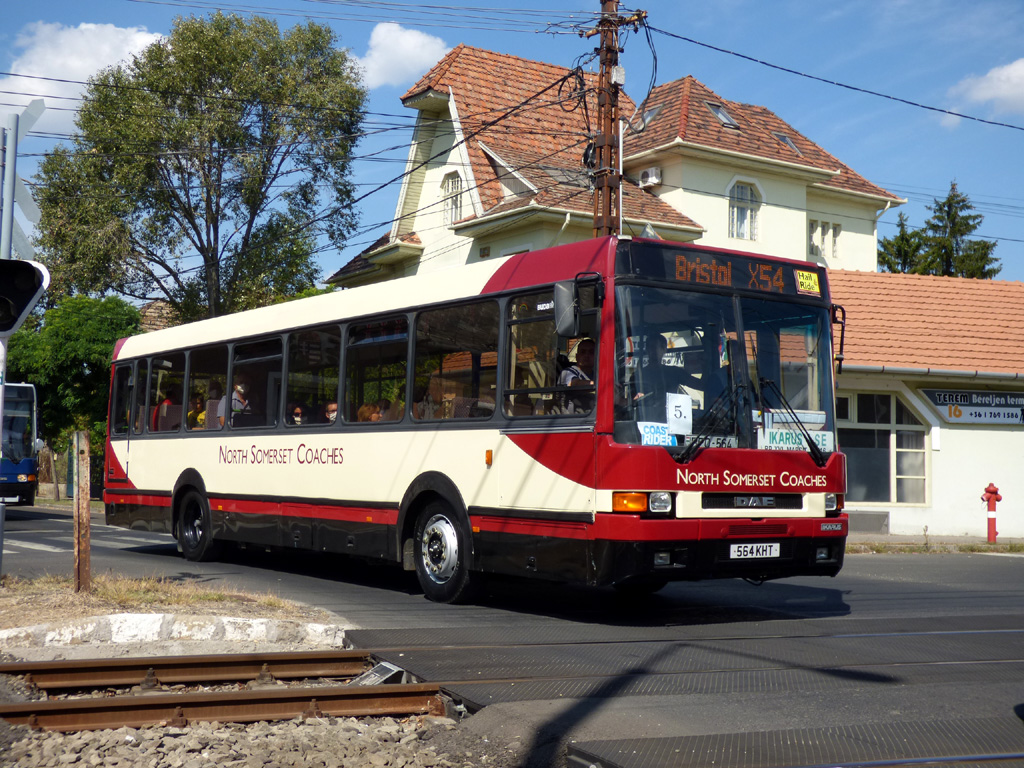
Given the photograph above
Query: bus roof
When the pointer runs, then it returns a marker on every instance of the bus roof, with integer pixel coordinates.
(516, 271)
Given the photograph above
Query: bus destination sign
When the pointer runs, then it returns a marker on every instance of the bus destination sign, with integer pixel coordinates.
(725, 270)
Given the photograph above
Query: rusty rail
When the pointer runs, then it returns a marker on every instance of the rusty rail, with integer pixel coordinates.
(173, 670)
(179, 709)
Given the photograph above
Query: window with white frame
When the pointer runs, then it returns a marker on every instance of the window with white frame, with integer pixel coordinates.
(744, 203)
(823, 239)
(885, 447)
(451, 196)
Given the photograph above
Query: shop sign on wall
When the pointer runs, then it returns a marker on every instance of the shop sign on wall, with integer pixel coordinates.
(965, 406)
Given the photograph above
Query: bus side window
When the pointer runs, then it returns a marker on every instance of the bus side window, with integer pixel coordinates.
(457, 362)
(376, 363)
(313, 359)
(166, 387)
(141, 389)
(538, 357)
(257, 370)
(120, 405)
(207, 381)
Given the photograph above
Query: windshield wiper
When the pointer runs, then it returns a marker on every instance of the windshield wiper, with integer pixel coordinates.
(716, 414)
(817, 454)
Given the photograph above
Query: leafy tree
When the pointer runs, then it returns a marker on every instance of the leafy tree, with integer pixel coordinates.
(949, 249)
(67, 353)
(903, 252)
(206, 169)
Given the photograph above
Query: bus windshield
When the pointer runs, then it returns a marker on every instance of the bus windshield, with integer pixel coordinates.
(683, 373)
(18, 437)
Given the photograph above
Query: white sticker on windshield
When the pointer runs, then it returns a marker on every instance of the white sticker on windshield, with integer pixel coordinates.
(679, 413)
(792, 440)
(653, 433)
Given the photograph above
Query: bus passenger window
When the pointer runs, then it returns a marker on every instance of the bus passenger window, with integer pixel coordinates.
(255, 397)
(456, 362)
(207, 379)
(541, 363)
(375, 371)
(166, 384)
(139, 412)
(120, 405)
(313, 358)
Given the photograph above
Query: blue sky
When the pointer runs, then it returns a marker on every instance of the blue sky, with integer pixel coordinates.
(945, 54)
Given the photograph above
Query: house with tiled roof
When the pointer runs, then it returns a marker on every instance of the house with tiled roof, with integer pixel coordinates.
(496, 166)
(930, 402)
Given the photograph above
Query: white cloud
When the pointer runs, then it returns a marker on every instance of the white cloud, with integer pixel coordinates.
(1003, 87)
(397, 56)
(66, 54)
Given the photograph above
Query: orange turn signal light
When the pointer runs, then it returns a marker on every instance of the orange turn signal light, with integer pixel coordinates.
(629, 502)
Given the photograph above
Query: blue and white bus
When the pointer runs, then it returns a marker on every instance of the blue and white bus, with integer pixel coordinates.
(18, 459)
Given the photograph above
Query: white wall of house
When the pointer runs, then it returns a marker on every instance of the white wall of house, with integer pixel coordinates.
(700, 189)
(856, 247)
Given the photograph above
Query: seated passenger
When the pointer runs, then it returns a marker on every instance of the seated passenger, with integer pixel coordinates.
(329, 413)
(298, 414)
(434, 405)
(196, 411)
(368, 412)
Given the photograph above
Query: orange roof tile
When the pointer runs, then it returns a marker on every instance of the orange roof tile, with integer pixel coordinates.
(685, 115)
(931, 323)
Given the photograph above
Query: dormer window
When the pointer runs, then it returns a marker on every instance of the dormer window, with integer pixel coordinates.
(720, 112)
(451, 198)
(783, 138)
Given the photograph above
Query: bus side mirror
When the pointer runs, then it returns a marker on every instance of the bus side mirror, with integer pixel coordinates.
(39, 444)
(567, 309)
(839, 318)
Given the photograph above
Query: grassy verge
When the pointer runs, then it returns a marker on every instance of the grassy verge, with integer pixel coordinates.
(49, 598)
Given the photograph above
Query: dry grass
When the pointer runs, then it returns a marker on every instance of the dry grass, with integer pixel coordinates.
(52, 598)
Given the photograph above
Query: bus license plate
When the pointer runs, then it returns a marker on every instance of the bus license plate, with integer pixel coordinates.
(746, 551)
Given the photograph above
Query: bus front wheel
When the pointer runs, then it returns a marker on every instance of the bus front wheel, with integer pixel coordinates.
(441, 553)
(195, 529)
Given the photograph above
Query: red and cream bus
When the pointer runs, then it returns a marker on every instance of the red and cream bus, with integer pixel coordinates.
(441, 422)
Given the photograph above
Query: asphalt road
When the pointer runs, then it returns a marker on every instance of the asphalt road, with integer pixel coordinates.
(899, 658)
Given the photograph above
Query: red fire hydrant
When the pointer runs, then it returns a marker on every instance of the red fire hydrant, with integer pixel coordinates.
(991, 496)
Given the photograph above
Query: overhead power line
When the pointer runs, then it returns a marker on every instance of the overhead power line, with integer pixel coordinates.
(836, 83)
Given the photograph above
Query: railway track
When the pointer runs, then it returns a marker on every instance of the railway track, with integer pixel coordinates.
(270, 686)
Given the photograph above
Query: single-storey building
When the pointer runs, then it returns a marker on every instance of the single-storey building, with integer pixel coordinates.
(930, 402)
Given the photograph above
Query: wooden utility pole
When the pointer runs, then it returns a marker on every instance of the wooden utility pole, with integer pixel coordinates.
(83, 544)
(607, 179)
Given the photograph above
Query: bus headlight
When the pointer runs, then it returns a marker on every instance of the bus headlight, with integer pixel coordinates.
(655, 503)
(22, 478)
(831, 502)
(661, 502)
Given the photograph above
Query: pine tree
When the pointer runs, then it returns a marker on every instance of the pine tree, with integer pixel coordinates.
(949, 249)
(902, 253)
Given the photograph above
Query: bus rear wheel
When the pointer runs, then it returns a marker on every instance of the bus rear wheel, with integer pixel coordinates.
(195, 528)
(441, 550)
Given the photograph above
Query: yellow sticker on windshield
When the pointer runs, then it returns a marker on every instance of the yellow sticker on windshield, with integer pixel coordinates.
(807, 282)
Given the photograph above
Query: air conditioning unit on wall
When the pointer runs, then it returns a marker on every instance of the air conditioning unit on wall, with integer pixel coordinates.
(650, 177)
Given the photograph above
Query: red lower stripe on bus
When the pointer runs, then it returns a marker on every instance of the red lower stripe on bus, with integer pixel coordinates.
(137, 499)
(372, 515)
(618, 527)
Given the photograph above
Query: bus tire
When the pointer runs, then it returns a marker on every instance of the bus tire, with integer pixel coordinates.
(441, 550)
(195, 528)
(29, 499)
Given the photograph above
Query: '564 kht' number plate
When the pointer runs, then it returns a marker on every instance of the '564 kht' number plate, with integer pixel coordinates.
(747, 551)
